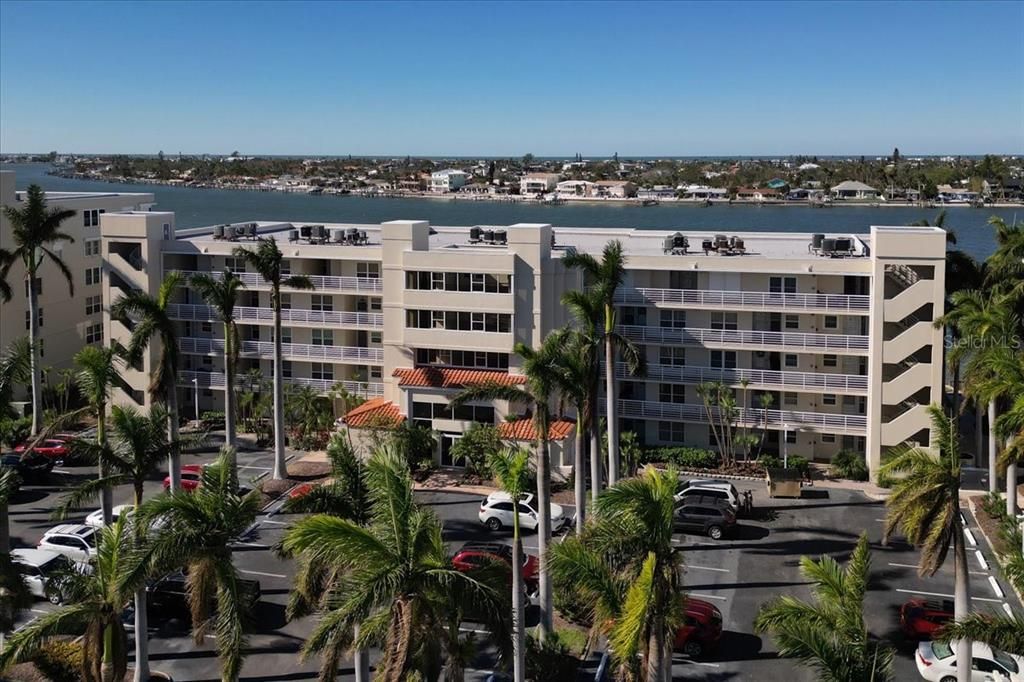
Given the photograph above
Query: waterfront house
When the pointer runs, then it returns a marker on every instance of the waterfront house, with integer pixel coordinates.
(851, 189)
(703, 192)
(757, 194)
(538, 183)
(658, 192)
(574, 188)
(957, 195)
(448, 180)
(1003, 190)
(614, 189)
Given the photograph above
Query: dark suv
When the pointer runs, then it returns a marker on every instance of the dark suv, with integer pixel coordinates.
(705, 515)
(167, 596)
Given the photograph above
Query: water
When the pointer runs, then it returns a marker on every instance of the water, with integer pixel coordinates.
(199, 207)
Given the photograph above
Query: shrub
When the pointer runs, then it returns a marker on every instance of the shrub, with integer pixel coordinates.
(682, 457)
(850, 464)
(801, 464)
(770, 461)
(60, 661)
(212, 419)
(550, 661)
(14, 431)
(477, 445)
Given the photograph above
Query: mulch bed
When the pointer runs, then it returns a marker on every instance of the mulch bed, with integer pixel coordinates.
(989, 525)
(308, 471)
(25, 672)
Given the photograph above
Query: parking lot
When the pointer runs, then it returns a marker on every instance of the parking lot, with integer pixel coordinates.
(737, 575)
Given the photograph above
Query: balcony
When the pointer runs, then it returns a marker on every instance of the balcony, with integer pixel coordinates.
(757, 378)
(217, 380)
(732, 338)
(752, 417)
(745, 300)
(359, 285)
(252, 315)
(290, 351)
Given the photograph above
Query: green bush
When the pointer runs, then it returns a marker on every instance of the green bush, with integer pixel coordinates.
(801, 464)
(212, 419)
(60, 661)
(14, 431)
(477, 445)
(850, 464)
(682, 457)
(770, 461)
(550, 661)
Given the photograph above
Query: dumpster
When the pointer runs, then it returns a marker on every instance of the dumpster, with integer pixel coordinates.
(784, 482)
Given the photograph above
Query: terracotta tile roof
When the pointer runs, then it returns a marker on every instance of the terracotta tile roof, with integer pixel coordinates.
(442, 377)
(377, 412)
(522, 429)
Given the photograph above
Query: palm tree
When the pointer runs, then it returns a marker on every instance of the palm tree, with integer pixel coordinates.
(1005, 267)
(541, 386)
(9, 482)
(607, 275)
(511, 469)
(395, 579)
(221, 294)
(829, 634)
(999, 631)
(35, 231)
(195, 532)
(93, 607)
(266, 260)
(15, 370)
(97, 375)
(152, 319)
(925, 506)
(627, 573)
(588, 311)
(575, 376)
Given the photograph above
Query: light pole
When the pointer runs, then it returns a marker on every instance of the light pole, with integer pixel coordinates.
(195, 386)
(785, 450)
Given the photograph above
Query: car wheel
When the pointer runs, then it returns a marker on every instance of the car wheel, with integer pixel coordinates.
(493, 524)
(948, 678)
(693, 649)
(715, 532)
(55, 597)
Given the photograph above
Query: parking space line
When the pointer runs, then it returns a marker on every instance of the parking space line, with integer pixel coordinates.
(39, 611)
(707, 568)
(914, 566)
(981, 559)
(689, 661)
(970, 537)
(60, 471)
(250, 466)
(995, 587)
(708, 596)
(251, 544)
(274, 523)
(1009, 611)
(267, 575)
(947, 596)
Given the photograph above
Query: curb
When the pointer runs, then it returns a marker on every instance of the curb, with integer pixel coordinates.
(999, 559)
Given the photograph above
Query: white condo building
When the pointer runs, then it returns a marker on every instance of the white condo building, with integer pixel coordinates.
(837, 328)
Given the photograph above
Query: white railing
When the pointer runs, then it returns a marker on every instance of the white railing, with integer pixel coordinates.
(217, 380)
(849, 383)
(744, 299)
(265, 349)
(204, 313)
(750, 416)
(738, 338)
(320, 282)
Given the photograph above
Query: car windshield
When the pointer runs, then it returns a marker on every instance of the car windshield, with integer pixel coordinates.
(90, 539)
(942, 649)
(58, 564)
(1005, 660)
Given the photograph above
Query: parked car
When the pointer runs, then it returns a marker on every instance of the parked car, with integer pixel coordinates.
(32, 468)
(705, 515)
(166, 596)
(723, 490)
(76, 541)
(701, 629)
(44, 571)
(920, 618)
(51, 448)
(936, 661)
(475, 554)
(496, 512)
(191, 477)
(95, 519)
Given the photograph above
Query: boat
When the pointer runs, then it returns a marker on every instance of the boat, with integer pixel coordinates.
(649, 202)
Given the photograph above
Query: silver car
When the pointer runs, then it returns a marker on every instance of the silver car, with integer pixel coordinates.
(496, 513)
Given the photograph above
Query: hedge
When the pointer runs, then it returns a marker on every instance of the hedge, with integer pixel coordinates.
(683, 457)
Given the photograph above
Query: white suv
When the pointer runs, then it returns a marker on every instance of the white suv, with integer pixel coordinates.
(74, 540)
(496, 512)
(96, 518)
(722, 490)
(42, 571)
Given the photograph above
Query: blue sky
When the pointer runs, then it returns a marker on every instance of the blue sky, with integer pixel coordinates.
(507, 79)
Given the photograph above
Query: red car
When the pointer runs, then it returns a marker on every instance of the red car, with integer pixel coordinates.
(701, 629)
(48, 447)
(920, 618)
(191, 475)
(476, 554)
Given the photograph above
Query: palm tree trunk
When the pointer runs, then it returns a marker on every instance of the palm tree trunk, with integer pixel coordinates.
(518, 637)
(961, 603)
(360, 660)
(1011, 489)
(229, 384)
(993, 449)
(5, 529)
(979, 441)
(656, 656)
(579, 475)
(107, 496)
(544, 518)
(141, 637)
(595, 462)
(33, 335)
(280, 466)
(612, 415)
(174, 463)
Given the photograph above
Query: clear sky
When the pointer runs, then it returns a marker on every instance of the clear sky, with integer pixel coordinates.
(506, 79)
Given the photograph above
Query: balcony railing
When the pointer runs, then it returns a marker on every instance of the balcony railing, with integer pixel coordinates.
(841, 383)
(217, 380)
(302, 351)
(320, 282)
(732, 338)
(204, 313)
(755, 300)
(751, 416)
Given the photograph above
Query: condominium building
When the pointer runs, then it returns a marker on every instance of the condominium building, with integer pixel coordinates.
(837, 329)
(66, 323)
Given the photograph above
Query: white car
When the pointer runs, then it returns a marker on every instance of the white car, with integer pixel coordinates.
(42, 570)
(76, 541)
(723, 490)
(96, 518)
(496, 512)
(936, 661)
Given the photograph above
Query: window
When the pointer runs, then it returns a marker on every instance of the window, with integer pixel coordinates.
(323, 337)
(376, 338)
(323, 302)
(673, 318)
(94, 333)
(286, 301)
(286, 368)
(376, 372)
(670, 432)
(42, 351)
(789, 398)
(633, 315)
(286, 267)
(39, 318)
(93, 304)
(672, 355)
(830, 361)
(792, 321)
(92, 276)
(831, 322)
(671, 393)
(458, 320)
(206, 327)
(828, 438)
(458, 358)
(322, 371)
(368, 270)
(286, 334)
(791, 360)
(375, 304)
(723, 359)
(92, 247)
(91, 217)
(791, 437)
(828, 399)
(782, 285)
(238, 264)
(479, 282)
(721, 320)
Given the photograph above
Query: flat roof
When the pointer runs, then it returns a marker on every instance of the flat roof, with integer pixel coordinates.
(71, 196)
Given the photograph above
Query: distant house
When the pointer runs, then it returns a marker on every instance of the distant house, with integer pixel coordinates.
(703, 192)
(538, 183)
(757, 194)
(808, 166)
(614, 189)
(657, 192)
(1011, 189)
(851, 189)
(574, 188)
(448, 180)
(956, 195)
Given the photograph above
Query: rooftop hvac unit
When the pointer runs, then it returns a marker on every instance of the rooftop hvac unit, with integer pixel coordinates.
(474, 235)
(816, 241)
(828, 245)
(218, 232)
(500, 237)
(489, 236)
